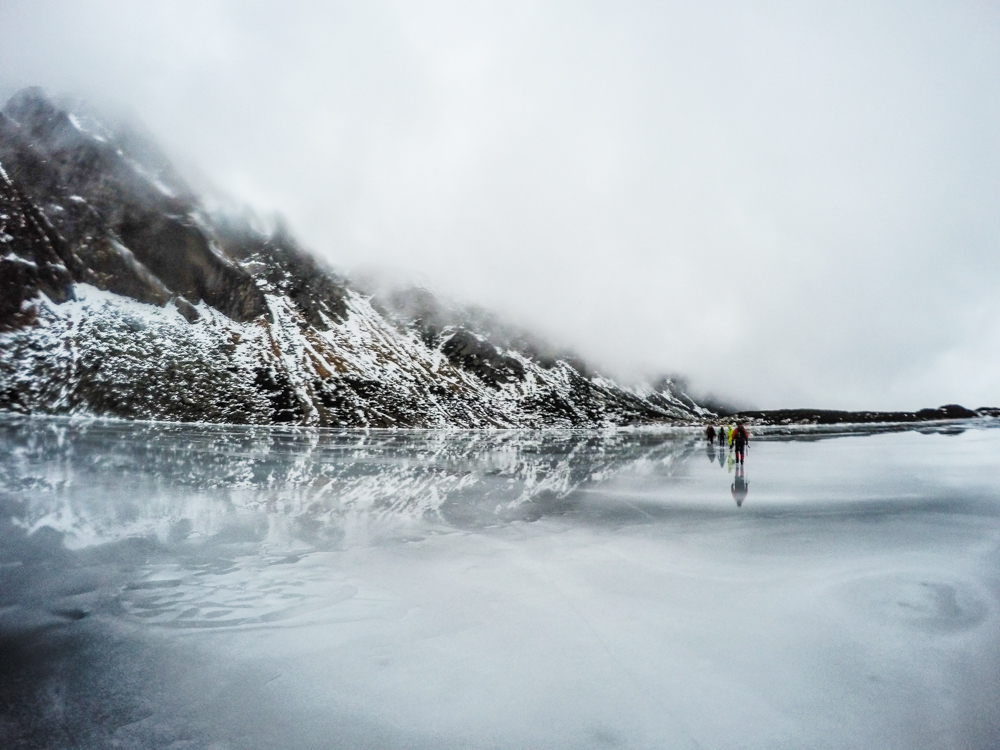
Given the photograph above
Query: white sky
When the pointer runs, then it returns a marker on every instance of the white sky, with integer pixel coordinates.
(793, 204)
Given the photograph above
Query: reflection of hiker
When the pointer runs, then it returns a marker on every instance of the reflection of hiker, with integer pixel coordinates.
(710, 434)
(722, 459)
(740, 486)
(740, 439)
(710, 450)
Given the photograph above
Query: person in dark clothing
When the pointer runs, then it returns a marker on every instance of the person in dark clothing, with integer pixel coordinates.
(723, 437)
(740, 439)
(740, 486)
(710, 434)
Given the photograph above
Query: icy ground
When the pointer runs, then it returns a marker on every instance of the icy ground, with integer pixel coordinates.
(170, 586)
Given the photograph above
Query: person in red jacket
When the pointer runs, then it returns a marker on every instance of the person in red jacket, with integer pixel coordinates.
(740, 439)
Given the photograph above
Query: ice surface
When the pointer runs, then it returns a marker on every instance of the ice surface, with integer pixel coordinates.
(196, 586)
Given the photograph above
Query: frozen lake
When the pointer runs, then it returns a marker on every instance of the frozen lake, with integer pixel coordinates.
(166, 586)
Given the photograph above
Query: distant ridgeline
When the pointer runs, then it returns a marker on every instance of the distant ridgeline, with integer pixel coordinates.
(122, 295)
(832, 417)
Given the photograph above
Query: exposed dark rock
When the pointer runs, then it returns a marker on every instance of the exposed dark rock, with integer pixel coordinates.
(31, 256)
(111, 195)
(317, 292)
(465, 349)
(948, 411)
(274, 384)
(415, 308)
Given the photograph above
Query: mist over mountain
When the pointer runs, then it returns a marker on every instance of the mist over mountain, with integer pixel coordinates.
(121, 294)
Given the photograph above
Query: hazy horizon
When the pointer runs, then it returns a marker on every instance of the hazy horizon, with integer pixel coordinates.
(787, 205)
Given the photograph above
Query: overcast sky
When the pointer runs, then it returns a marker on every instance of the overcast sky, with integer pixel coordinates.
(793, 204)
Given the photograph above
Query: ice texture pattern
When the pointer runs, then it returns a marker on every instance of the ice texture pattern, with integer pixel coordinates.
(195, 586)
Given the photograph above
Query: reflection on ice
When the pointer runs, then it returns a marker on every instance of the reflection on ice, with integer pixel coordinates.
(237, 506)
(96, 481)
(740, 486)
(191, 586)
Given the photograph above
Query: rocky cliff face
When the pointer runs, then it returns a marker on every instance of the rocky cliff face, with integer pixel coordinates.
(120, 295)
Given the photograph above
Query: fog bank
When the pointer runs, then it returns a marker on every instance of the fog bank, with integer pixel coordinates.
(792, 205)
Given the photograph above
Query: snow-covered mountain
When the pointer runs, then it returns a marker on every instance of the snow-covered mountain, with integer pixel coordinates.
(122, 295)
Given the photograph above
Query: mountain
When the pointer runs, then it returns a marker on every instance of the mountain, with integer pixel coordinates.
(122, 295)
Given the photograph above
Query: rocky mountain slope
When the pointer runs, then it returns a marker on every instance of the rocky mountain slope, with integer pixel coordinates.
(121, 295)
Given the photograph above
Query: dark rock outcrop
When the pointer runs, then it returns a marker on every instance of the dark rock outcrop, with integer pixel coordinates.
(34, 257)
(464, 349)
(130, 224)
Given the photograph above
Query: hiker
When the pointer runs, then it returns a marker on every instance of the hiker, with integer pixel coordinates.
(723, 437)
(740, 439)
(740, 486)
(710, 434)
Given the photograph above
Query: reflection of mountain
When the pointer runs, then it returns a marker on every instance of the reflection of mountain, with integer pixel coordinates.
(121, 294)
(221, 513)
(97, 481)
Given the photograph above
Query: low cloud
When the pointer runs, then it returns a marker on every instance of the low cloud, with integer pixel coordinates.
(791, 205)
